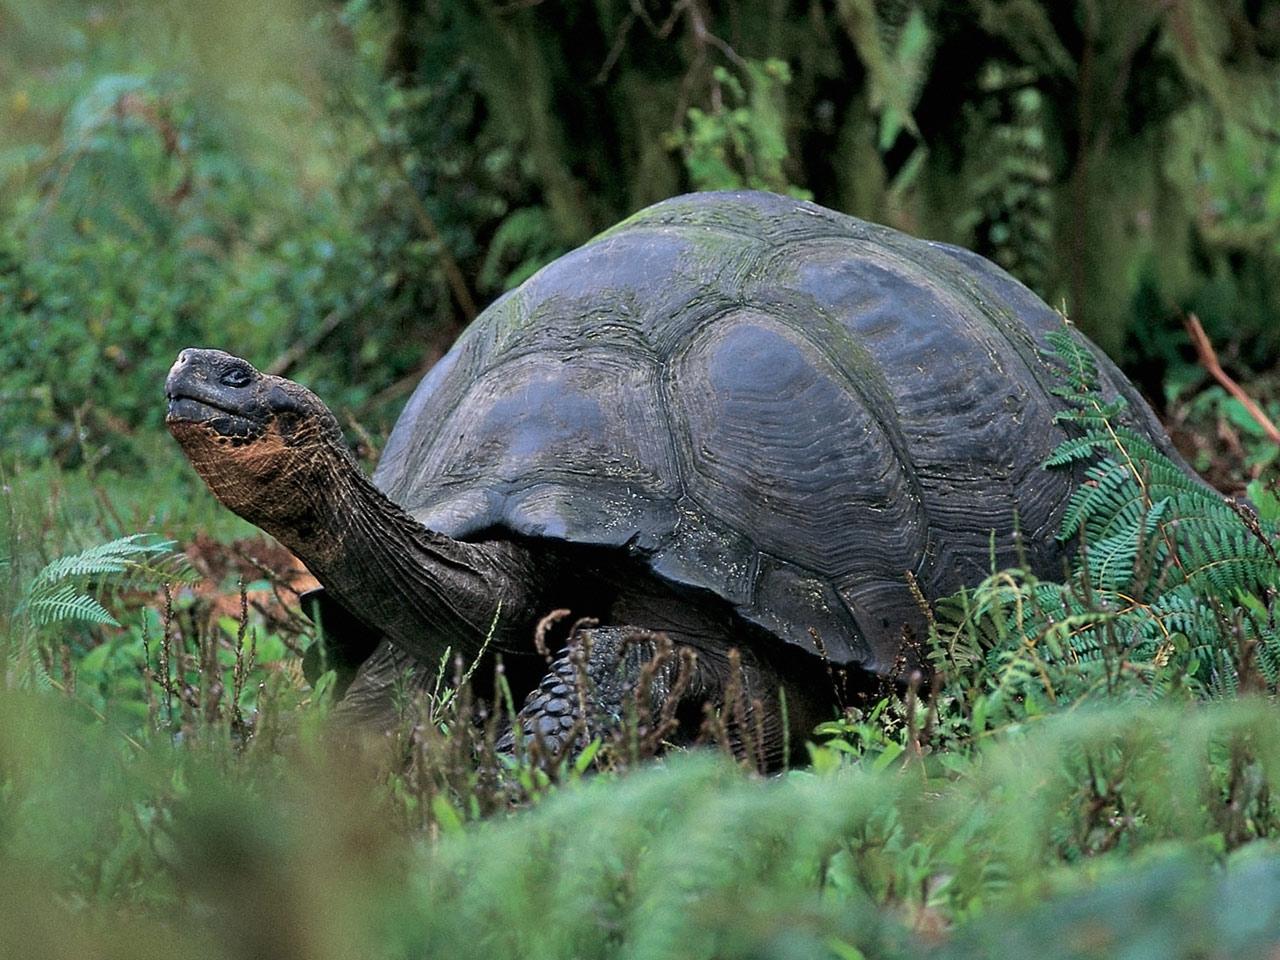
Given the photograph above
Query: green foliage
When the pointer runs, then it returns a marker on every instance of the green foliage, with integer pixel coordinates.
(894, 43)
(1010, 218)
(129, 629)
(1210, 412)
(101, 288)
(1173, 590)
(741, 145)
(1266, 501)
(152, 211)
(522, 243)
(64, 591)
(1129, 826)
(56, 593)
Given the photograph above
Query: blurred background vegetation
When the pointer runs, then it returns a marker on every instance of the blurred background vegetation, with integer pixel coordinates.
(333, 190)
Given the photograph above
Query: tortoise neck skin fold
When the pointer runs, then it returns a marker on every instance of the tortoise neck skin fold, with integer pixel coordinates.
(272, 452)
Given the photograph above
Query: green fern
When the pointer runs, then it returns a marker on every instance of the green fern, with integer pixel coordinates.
(67, 602)
(1173, 589)
(106, 558)
(63, 591)
(59, 591)
(1008, 210)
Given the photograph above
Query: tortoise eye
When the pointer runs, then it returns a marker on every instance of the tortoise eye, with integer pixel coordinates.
(235, 377)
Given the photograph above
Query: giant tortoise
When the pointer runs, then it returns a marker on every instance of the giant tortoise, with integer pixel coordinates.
(740, 420)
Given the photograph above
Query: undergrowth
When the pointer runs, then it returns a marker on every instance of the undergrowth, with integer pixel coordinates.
(1118, 828)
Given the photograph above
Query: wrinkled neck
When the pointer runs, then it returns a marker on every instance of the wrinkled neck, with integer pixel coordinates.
(425, 591)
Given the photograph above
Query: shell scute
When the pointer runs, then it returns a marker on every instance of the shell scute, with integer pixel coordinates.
(763, 411)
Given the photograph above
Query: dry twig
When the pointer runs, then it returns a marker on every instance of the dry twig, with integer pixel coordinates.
(1208, 358)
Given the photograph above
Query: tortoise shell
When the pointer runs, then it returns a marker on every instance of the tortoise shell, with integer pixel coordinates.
(761, 398)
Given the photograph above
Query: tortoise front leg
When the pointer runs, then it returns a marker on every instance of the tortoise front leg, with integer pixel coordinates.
(604, 674)
(608, 675)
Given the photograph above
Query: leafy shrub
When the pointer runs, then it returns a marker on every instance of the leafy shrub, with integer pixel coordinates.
(148, 239)
(741, 144)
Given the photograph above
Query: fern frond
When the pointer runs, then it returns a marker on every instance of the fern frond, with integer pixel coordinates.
(113, 557)
(1086, 411)
(1078, 368)
(1225, 561)
(59, 592)
(1105, 491)
(65, 603)
(1075, 450)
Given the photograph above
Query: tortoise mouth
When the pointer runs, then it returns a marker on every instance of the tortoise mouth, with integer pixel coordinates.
(185, 409)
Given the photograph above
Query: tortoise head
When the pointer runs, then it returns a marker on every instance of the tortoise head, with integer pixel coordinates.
(268, 448)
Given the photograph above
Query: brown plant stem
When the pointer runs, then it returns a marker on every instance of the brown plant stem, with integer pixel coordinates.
(1208, 358)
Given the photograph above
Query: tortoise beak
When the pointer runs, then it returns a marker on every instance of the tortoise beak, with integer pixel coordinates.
(177, 373)
(187, 388)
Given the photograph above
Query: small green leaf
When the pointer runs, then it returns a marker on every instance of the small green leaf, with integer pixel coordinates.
(92, 663)
(1265, 500)
(583, 760)
(446, 815)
